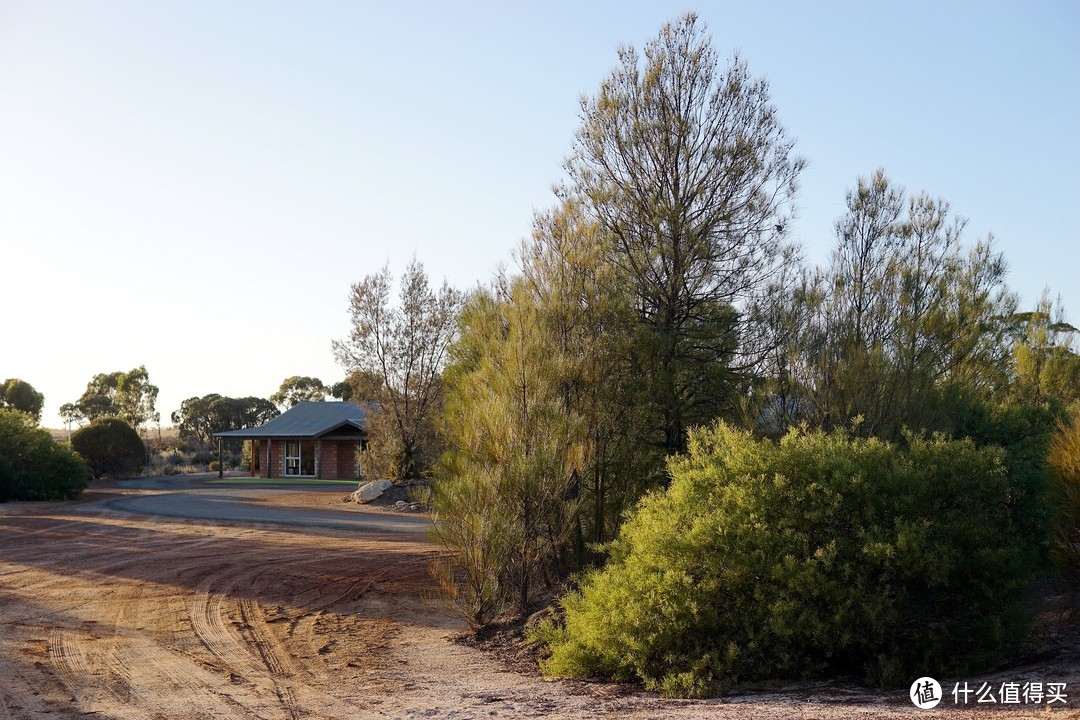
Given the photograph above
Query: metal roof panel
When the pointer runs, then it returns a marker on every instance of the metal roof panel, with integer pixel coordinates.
(305, 420)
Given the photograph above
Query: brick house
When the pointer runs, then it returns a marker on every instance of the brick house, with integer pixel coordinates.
(309, 440)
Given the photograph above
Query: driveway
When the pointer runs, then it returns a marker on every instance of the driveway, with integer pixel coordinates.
(203, 497)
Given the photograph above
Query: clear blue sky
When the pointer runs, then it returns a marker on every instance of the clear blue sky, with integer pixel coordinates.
(194, 186)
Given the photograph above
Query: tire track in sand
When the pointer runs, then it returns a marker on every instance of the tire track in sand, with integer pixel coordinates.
(85, 663)
(135, 669)
(270, 666)
(68, 658)
(161, 670)
(211, 630)
(272, 653)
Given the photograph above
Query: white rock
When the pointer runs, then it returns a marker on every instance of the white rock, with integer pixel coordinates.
(371, 490)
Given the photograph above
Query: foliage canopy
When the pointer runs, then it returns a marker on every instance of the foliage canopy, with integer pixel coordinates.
(297, 389)
(1063, 456)
(504, 498)
(16, 394)
(403, 347)
(126, 395)
(110, 447)
(200, 417)
(689, 170)
(32, 465)
(816, 554)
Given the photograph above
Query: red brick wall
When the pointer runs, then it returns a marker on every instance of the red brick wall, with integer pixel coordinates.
(328, 460)
(337, 459)
(277, 458)
(346, 459)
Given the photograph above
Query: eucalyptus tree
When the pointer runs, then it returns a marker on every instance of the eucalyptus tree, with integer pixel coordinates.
(298, 389)
(199, 418)
(126, 395)
(16, 394)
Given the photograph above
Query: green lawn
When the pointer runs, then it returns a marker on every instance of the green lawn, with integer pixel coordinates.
(279, 481)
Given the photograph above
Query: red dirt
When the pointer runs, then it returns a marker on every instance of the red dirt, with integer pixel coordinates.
(114, 616)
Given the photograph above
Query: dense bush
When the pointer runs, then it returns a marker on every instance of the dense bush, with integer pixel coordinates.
(32, 465)
(110, 447)
(816, 555)
(1023, 432)
(1064, 458)
(7, 481)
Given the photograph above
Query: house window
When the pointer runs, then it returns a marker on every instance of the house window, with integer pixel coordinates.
(307, 458)
(292, 457)
(299, 458)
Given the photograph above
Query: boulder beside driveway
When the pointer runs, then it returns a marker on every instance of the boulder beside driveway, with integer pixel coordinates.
(371, 490)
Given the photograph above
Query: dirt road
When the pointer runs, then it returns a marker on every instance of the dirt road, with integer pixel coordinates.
(106, 614)
(262, 506)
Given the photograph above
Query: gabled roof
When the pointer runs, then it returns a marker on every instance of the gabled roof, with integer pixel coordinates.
(305, 420)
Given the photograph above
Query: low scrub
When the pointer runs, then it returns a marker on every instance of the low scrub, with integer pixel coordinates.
(110, 447)
(818, 555)
(33, 466)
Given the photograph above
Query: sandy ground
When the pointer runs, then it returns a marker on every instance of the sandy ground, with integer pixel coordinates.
(107, 615)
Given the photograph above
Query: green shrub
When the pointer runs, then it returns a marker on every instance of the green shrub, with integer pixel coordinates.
(1063, 456)
(816, 555)
(7, 481)
(110, 447)
(1023, 432)
(214, 466)
(32, 465)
